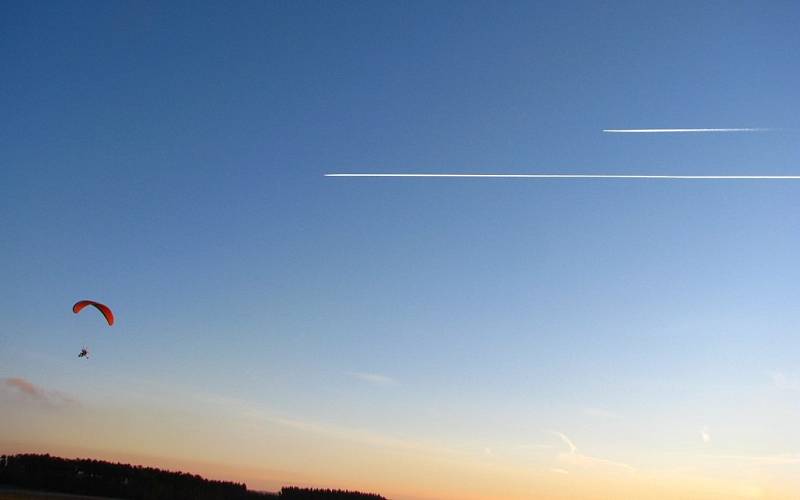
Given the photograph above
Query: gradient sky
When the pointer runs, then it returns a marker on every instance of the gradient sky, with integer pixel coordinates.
(421, 338)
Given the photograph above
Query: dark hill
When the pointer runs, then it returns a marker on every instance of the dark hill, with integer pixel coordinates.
(125, 481)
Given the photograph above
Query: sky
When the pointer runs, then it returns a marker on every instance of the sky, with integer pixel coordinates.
(423, 338)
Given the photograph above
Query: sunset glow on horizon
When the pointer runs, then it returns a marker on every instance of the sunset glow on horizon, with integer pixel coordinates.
(396, 248)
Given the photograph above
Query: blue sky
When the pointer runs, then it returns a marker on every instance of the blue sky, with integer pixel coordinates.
(169, 161)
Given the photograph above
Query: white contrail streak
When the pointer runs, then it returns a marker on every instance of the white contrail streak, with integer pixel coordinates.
(679, 130)
(576, 176)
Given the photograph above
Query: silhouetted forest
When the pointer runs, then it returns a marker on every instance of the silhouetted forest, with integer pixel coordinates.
(117, 480)
(294, 493)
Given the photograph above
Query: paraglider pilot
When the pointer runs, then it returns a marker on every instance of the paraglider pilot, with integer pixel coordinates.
(104, 310)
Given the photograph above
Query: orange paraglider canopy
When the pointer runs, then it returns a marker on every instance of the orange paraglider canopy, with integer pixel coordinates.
(104, 309)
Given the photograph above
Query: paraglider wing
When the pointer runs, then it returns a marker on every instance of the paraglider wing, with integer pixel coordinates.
(104, 309)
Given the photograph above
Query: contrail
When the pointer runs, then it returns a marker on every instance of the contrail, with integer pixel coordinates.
(680, 130)
(576, 176)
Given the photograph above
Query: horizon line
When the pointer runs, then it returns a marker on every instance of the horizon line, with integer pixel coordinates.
(572, 176)
(680, 130)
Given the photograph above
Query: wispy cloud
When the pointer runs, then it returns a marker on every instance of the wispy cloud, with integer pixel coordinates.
(32, 392)
(575, 458)
(784, 381)
(374, 378)
(705, 435)
(600, 413)
(778, 459)
(567, 441)
(680, 130)
(364, 436)
(259, 415)
(25, 387)
(535, 446)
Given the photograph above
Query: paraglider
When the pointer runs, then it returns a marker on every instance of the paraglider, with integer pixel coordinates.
(104, 310)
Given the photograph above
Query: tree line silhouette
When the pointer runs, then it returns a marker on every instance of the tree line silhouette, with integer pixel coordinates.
(125, 481)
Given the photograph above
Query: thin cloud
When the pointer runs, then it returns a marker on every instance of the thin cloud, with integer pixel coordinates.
(600, 413)
(25, 387)
(575, 458)
(705, 435)
(567, 441)
(358, 435)
(261, 416)
(783, 381)
(779, 459)
(535, 446)
(374, 378)
(33, 392)
(680, 130)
